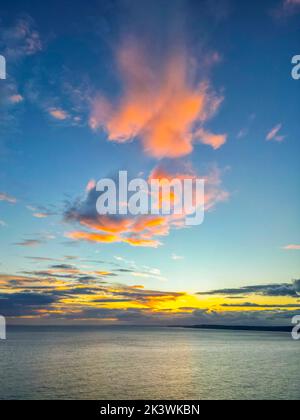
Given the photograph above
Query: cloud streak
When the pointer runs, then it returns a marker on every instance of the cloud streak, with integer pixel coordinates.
(58, 114)
(292, 247)
(30, 242)
(8, 198)
(284, 289)
(274, 134)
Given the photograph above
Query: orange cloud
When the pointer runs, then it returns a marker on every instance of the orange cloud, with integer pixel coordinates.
(163, 108)
(136, 232)
(150, 243)
(58, 114)
(16, 99)
(145, 230)
(214, 140)
(93, 237)
(213, 185)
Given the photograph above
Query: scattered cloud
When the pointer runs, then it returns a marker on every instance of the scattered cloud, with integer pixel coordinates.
(20, 40)
(52, 297)
(30, 242)
(175, 257)
(214, 140)
(285, 9)
(244, 132)
(164, 107)
(8, 198)
(16, 99)
(274, 135)
(58, 114)
(25, 304)
(141, 231)
(67, 293)
(2, 223)
(258, 305)
(292, 247)
(40, 259)
(285, 289)
(41, 212)
(41, 215)
(291, 6)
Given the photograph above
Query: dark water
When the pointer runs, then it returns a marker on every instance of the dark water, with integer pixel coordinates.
(147, 363)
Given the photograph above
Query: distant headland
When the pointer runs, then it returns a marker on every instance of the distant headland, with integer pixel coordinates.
(240, 327)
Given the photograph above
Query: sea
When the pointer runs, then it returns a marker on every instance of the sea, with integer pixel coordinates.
(157, 363)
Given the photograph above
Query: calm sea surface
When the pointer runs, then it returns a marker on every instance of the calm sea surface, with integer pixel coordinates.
(147, 363)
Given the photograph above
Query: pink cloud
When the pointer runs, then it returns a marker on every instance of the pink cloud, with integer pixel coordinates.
(58, 114)
(16, 99)
(274, 135)
(7, 198)
(21, 39)
(164, 108)
(292, 247)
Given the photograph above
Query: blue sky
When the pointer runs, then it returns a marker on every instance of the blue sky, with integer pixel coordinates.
(61, 58)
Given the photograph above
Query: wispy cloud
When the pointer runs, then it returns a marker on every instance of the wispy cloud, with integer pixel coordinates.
(175, 257)
(292, 247)
(58, 114)
(286, 9)
(273, 135)
(16, 99)
(69, 294)
(30, 242)
(291, 5)
(18, 41)
(8, 198)
(41, 212)
(258, 305)
(21, 39)
(284, 289)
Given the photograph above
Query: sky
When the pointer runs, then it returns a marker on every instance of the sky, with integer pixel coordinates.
(186, 88)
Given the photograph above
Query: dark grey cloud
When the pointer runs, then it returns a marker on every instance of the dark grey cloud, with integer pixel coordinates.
(63, 267)
(108, 300)
(22, 304)
(284, 289)
(30, 242)
(40, 259)
(124, 270)
(256, 305)
(48, 274)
